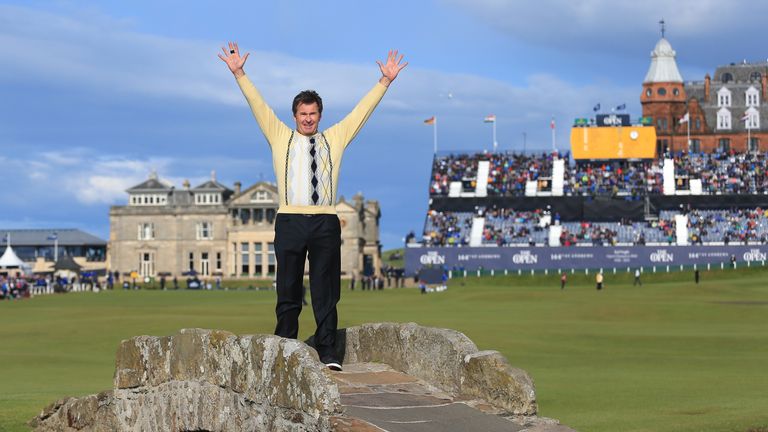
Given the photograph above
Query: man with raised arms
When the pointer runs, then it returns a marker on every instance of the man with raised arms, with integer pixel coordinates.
(306, 163)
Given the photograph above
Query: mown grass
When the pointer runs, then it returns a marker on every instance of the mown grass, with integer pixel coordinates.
(667, 356)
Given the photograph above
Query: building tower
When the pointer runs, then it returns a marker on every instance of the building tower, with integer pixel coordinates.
(663, 98)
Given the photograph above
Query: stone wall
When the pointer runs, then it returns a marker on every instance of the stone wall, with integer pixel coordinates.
(211, 380)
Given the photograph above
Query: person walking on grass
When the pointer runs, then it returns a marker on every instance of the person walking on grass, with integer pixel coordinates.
(306, 161)
(637, 278)
(599, 281)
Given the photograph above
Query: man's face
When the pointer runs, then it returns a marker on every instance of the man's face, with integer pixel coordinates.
(307, 118)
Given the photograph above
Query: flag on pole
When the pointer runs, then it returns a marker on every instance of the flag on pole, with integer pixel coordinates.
(490, 118)
(684, 119)
(621, 107)
(596, 108)
(745, 117)
(430, 120)
(552, 123)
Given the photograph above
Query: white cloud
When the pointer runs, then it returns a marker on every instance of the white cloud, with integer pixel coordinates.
(59, 158)
(102, 179)
(100, 188)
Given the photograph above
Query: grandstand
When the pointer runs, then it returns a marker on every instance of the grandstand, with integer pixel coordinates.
(683, 185)
(509, 211)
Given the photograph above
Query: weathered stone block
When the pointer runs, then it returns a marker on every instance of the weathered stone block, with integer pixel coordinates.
(432, 354)
(487, 375)
(445, 358)
(206, 380)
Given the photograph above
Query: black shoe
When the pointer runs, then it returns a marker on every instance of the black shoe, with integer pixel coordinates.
(332, 364)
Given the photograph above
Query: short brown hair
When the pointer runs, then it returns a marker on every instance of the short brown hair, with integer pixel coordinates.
(308, 97)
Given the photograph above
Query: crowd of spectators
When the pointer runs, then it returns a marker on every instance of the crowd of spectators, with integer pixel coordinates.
(13, 287)
(720, 173)
(507, 175)
(728, 226)
(447, 228)
(507, 226)
(623, 233)
(632, 179)
(504, 227)
(725, 172)
(595, 234)
(509, 172)
(447, 169)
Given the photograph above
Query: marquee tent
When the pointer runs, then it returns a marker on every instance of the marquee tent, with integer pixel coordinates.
(10, 259)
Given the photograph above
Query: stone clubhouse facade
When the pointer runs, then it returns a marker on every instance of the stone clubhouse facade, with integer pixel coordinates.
(212, 230)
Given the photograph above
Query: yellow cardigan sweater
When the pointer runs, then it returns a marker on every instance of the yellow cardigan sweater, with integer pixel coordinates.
(291, 157)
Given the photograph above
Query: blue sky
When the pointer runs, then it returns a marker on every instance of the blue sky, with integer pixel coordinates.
(96, 94)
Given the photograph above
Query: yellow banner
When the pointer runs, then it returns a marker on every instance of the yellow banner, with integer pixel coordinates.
(613, 142)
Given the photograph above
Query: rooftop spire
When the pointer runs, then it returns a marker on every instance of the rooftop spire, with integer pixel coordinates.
(663, 28)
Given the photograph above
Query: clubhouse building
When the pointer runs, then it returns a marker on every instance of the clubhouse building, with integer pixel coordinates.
(211, 230)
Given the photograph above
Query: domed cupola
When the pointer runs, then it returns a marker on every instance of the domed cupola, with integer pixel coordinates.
(663, 66)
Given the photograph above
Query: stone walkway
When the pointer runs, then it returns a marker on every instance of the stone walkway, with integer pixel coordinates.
(377, 398)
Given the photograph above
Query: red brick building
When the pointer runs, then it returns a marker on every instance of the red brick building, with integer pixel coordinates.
(723, 113)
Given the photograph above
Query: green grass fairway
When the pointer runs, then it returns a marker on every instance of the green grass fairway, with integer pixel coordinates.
(667, 356)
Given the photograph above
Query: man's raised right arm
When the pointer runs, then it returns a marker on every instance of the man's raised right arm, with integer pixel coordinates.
(270, 125)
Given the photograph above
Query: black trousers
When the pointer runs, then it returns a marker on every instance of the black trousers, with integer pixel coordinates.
(318, 237)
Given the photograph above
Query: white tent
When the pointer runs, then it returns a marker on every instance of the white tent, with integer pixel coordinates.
(10, 259)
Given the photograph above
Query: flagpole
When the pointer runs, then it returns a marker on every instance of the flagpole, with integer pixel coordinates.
(553, 134)
(495, 144)
(688, 124)
(525, 141)
(434, 134)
